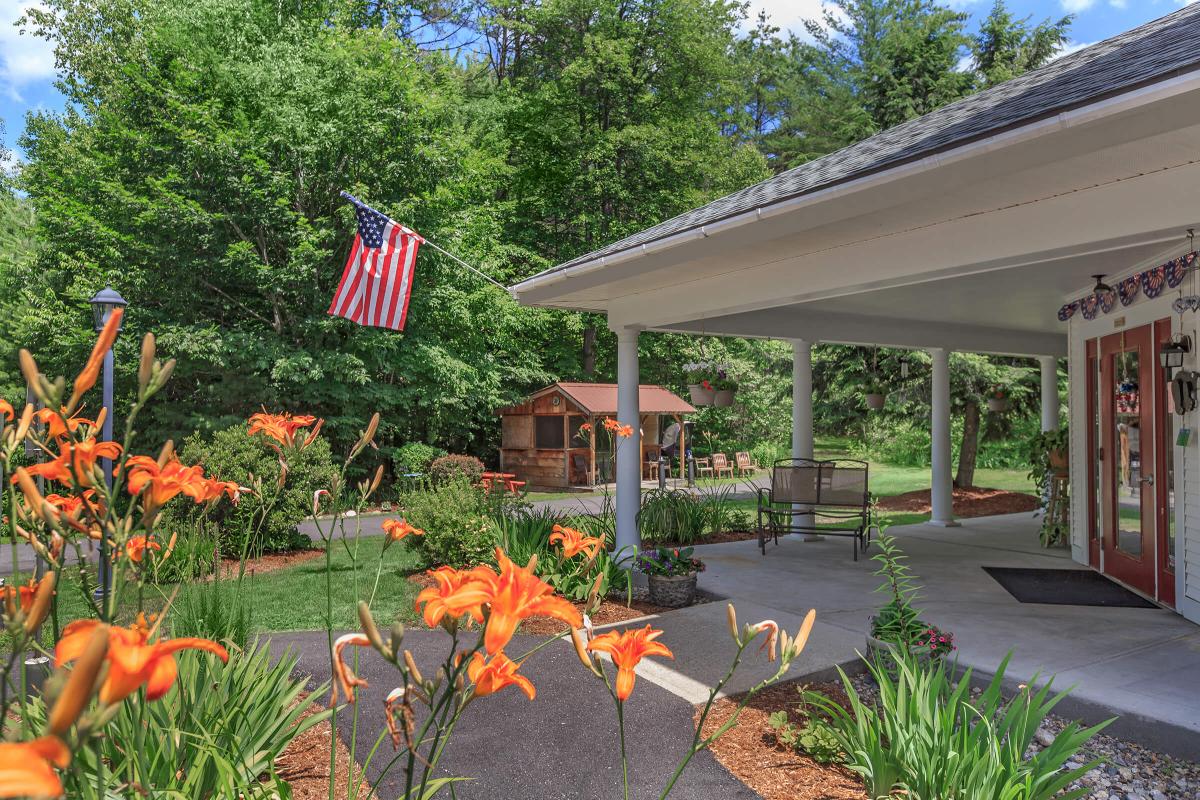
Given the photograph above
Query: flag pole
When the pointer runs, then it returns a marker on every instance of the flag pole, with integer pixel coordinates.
(447, 253)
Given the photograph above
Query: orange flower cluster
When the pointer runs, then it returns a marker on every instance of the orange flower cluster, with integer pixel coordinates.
(627, 648)
(159, 483)
(133, 660)
(397, 529)
(282, 427)
(575, 542)
(75, 462)
(617, 429)
(27, 768)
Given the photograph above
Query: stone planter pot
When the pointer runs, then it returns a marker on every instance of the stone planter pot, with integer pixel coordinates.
(672, 592)
(997, 404)
(875, 401)
(1059, 462)
(701, 396)
(723, 398)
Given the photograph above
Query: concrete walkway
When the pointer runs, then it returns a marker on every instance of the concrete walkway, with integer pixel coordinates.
(1140, 663)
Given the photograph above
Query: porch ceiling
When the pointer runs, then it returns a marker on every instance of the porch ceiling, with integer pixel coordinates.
(974, 248)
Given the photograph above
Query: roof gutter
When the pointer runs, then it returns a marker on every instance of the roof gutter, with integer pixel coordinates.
(1063, 120)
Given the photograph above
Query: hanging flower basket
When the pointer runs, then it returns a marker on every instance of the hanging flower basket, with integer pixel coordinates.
(702, 394)
(1059, 461)
(997, 400)
(875, 400)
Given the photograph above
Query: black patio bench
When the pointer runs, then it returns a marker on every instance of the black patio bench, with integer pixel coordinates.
(835, 490)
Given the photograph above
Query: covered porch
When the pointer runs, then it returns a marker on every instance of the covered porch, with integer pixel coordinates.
(968, 229)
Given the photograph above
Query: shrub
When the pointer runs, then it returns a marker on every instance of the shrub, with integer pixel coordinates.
(195, 555)
(458, 520)
(215, 610)
(216, 733)
(232, 455)
(672, 515)
(453, 466)
(814, 738)
(415, 457)
(928, 737)
(765, 454)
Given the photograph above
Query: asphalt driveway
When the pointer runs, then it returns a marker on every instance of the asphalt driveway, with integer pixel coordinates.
(561, 745)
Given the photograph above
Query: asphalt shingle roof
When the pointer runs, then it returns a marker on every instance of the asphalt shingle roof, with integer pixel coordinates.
(1153, 52)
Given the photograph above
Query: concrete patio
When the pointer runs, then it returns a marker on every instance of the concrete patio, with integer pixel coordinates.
(1138, 663)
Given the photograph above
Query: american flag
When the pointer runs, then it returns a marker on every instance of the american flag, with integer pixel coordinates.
(379, 273)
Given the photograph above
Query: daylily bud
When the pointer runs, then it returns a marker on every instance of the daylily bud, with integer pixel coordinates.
(33, 498)
(397, 639)
(103, 415)
(164, 375)
(164, 455)
(412, 668)
(146, 365)
(731, 615)
(368, 626)
(41, 603)
(376, 481)
(80, 684)
(26, 421)
(29, 369)
(581, 651)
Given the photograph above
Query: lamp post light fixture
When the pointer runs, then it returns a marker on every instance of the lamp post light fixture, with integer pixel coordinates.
(104, 302)
(1171, 354)
(903, 366)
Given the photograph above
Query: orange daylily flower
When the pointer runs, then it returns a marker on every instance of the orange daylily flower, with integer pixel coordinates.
(58, 423)
(574, 542)
(627, 648)
(213, 489)
(165, 482)
(91, 370)
(133, 660)
(27, 768)
(515, 594)
(137, 546)
(342, 674)
(6, 410)
(457, 592)
(76, 461)
(397, 529)
(282, 427)
(496, 673)
(24, 598)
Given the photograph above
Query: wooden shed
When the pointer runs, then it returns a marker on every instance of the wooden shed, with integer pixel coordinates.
(544, 443)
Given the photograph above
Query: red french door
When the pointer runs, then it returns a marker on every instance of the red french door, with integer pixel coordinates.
(1128, 373)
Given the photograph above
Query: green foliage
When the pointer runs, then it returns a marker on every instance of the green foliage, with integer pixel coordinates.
(765, 454)
(216, 733)
(927, 737)
(415, 457)
(1006, 47)
(672, 515)
(526, 533)
(195, 556)
(450, 467)
(814, 738)
(669, 562)
(214, 609)
(232, 455)
(898, 621)
(459, 523)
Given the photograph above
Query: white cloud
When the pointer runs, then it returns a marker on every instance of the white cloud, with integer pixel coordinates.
(788, 15)
(1075, 6)
(24, 59)
(1071, 47)
(1119, 3)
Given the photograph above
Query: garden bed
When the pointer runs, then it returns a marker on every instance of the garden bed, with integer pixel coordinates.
(751, 753)
(711, 538)
(271, 562)
(971, 501)
(304, 764)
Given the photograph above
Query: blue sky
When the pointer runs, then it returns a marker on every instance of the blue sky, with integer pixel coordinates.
(27, 64)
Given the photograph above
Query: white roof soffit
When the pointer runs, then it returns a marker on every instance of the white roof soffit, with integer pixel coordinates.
(1119, 169)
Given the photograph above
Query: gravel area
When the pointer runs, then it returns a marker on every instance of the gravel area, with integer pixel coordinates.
(1129, 771)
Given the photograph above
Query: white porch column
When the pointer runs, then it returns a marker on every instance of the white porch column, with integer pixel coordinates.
(629, 468)
(802, 416)
(941, 484)
(1049, 393)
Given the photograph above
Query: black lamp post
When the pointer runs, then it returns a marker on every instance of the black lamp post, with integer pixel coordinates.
(104, 302)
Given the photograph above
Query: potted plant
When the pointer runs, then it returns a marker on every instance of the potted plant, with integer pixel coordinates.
(997, 399)
(700, 385)
(725, 388)
(898, 625)
(874, 394)
(1048, 459)
(671, 573)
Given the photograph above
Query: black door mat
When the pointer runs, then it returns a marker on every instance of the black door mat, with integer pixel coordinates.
(1065, 587)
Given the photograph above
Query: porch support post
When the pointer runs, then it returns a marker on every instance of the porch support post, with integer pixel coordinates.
(802, 418)
(1050, 405)
(629, 469)
(941, 483)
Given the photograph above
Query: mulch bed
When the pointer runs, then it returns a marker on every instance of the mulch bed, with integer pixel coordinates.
(711, 538)
(970, 501)
(751, 753)
(304, 764)
(271, 562)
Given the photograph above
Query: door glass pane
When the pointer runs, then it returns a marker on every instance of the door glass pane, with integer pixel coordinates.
(1128, 490)
(1096, 437)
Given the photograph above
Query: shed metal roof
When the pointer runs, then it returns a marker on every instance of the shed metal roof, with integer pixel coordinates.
(601, 398)
(1155, 51)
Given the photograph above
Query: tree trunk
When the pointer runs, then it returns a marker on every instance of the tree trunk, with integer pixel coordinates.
(589, 351)
(970, 447)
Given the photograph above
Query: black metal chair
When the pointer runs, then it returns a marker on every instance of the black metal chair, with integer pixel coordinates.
(835, 490)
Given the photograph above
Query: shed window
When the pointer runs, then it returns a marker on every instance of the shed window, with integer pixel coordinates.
(549, 433)
(578, 438)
